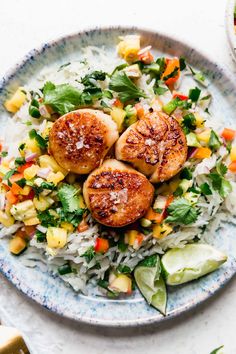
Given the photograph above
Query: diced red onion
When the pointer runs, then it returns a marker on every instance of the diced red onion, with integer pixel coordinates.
(29, 157)
(44, 172)
(41, 229)
(191, 152)
(144, 50)
(44, 112)
(2, 201)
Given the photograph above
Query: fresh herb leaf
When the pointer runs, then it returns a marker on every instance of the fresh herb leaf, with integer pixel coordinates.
(3, 154)
(123, 269)
(126, 89)
(21, 182)
(181, 211)
(19, 161)
(205, 189)
(122, 246)
(158, 210)
(73, 218)
(150, 261)
(42, 143)
(62, 98)
(67, 194)
(46, 218)
(88, 79)
(21, 147)
(64, 269)
(219, 183)
(118, 68)
(182, 63)
(160, 88)
(186, 173)
(194, 94)
(34, 109)
(189, 121)
(40, 237)
(214, 142)
(89, 254)
(221, 168)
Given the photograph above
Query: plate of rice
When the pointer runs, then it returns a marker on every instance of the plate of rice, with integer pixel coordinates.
(117, 177)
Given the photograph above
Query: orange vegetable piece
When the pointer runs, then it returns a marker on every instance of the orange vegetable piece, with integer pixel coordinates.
(146, 57)
(170, 67)
(12, 198)
(139, 238)
(101, 245)
(16, 189)
(83, 226)
(140, 110)
(202, 153)
(228, 134)
(20, 233)
(21, 169)
(232, 167)
(118, 103)
(153, 216)
(16, 177)
(29, 230)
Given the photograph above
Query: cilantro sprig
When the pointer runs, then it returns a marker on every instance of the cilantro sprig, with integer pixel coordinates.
(126, 89)
(181, 211)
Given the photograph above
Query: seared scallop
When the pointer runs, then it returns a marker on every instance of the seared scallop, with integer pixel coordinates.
(155, 145)
(80, 140)
(116, 194)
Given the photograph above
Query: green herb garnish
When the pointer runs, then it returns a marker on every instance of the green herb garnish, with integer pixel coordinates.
(126, 89)
(181, 211)
(194, 94)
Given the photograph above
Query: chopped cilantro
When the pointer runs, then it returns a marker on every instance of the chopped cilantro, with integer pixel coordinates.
(150, 261)
(189, 121)
(40, 237)
(214, 142)
(182, 63)
(160, 88)
(205, 189)
(123, 269)
(21, 147)
(67, 194)
(186, 173)
(21, 182)
(42, 143)
(3, 154)
(181, 211)
(126, 89)
(88, 79)
(19, 161)
(194, 94)
(64, 269)
(89, 254)
(219, 183)
(121, 244)
(46, 218)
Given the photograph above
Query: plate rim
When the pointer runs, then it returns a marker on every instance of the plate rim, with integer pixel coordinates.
(17, 281)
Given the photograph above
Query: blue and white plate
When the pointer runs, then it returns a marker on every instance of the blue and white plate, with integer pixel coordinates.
(50, 291)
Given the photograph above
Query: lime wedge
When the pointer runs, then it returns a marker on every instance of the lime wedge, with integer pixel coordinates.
(181, 265)
(150, 282)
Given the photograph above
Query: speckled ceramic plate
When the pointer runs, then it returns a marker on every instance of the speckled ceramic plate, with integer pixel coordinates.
(229, 25)
(50, 291)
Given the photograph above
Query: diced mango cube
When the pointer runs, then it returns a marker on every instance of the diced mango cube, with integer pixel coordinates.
(16, 101)
(17, 245)
(24, 210)
(56, 237)
(122, 283)
(32, 145)
(55, 177)
(130, 237)
(49, 161)
(129, 47)
(67, 226)
(118, 115)
(161, 230)
(199, 120)
(233, 153)
(46, 131)
(32, 221)
(204, 136)
(6, 219)
(31, 172)
(42, 203)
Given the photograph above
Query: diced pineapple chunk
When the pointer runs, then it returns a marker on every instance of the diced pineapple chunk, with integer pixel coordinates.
(67, 226)
(233, 153)
(5, 219)
(31, 172)
(46, 131)
(32, 221)
(122, 283)
(25, 190)
(118, 115)
(49, 161)
(3, 170)
(42, 202)
(32, 145)
(16, 101)
(129, 47)
(161, 230)
(17, 245)
(81, 202)
(55, 177)
(199, 120)
(24, 210)
(56, 237)
(204, 136)
(130, 237)
(133, 71)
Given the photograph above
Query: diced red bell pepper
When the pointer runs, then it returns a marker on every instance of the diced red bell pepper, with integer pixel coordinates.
(16, 177)
(118, 103)
(101, 245)
(140, 110)
(146, 57)
(228, 134)
(180, 96)
(12, 198)
(30, 196)
(21, 169)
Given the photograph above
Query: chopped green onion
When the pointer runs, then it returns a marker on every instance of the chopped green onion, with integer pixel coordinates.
(194, 94)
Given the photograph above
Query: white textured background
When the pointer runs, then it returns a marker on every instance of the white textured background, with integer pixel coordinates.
(25, 24)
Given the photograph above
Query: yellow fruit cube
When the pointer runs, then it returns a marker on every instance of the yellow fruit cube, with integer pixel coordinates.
(130, 237)
(233, 153)
(199, 120)
(32, 221)
(122, 283)
(118, 115)
(42, 203)
(3, 170)
(67, 226)
(24, 210)
(31, 172)
(161, 230)
(129, 47)
(17, 245)
(16, 101)
(204, 136)
(25, 190)
(46, 131)
(55, 177)
(32, 145)
(49, 161)
(5, 219)
(56, 237)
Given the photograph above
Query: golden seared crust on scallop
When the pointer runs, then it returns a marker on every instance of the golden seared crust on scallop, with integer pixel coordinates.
(155, 145)
(80, 140)
(116, 194)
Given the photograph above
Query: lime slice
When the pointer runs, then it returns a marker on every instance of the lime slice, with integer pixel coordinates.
(181, 265)
(150, 282)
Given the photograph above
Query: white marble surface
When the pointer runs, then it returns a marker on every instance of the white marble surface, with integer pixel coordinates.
(25, 24)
